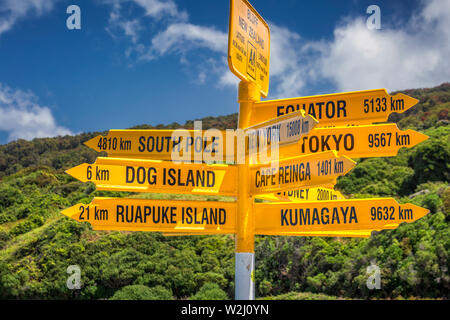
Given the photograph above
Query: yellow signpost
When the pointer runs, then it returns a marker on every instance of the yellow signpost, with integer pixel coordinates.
(157, 176)
(304, 194)
(359, 214)
(338, 109)
(302, 171)
(298, 182)
(156, 215)
(381, 140)
(249, 45)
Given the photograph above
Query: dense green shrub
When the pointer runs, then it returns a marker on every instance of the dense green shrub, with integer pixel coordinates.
(140, 292)
(431, 159)
(5, 236)
(9, 196)
(33, 221)
(210, 291)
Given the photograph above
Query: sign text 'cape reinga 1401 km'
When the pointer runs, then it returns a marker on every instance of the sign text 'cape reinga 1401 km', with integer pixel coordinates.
(294, 151)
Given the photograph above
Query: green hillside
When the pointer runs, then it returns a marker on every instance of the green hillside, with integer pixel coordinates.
(37, 243)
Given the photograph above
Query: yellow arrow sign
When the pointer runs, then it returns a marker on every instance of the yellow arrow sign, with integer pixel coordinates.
(339, 109)
(173, 145)
(301, 171)
(156, 215)
(249, 45)
(304, 194)
(382, 140)
(359, 214)
(119, 174)
(281, 131)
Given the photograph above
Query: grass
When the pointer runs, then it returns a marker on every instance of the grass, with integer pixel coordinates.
(24, 239)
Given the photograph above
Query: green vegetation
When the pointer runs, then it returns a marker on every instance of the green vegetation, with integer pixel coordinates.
(210, 291)
(37, 243)
(300, 296)
(140, 292)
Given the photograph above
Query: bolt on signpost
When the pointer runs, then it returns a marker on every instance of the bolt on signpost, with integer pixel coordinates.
(310, 142)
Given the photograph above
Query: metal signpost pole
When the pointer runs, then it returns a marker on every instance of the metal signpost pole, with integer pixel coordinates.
(245, 248)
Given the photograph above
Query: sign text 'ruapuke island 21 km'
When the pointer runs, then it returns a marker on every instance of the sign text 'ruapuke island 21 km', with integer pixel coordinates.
(293, 152)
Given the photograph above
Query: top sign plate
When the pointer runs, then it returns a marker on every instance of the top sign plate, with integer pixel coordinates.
(249, 45)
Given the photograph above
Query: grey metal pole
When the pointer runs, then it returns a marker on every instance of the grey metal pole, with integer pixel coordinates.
(244, 281)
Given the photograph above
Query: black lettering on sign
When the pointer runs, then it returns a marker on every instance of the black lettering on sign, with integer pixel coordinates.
(141, 214)
(193, 178)
(313, 144)
(208, 216)
(141, 175)
(315, 216)
(156, 144)
(265, 177)
(319, 110)
(294, 173)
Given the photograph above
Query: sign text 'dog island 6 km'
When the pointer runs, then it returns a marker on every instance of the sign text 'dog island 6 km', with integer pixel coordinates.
(311, 141)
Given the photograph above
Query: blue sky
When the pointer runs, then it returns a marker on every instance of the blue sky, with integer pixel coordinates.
(155, 61)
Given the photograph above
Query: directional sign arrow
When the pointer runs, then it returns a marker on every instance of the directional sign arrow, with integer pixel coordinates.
(339, 109)
(381, 140)
(284, 130)
(296, 172)
(304, 194)
(119, 174)
(360, 214)
(156, 215)
(173, 145)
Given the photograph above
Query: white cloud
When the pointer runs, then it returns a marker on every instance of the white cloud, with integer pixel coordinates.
(13, 10)
(120, 16)
(156, 9)
(285, 67)
(21, 117)
(415, 56)
(356, 58)
(182, 37)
